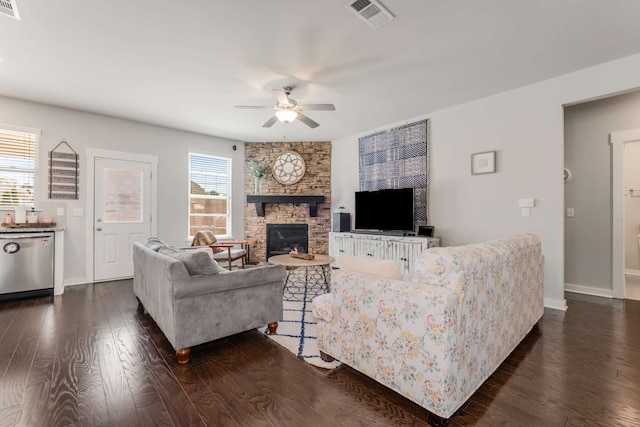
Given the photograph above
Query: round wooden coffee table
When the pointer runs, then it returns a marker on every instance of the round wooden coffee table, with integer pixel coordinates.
(305, 278)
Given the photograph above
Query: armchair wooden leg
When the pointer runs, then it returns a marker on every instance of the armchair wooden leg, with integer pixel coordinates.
(272, 328)
(183, 355)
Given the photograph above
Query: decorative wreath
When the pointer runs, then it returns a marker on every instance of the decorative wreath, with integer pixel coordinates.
(288, 168)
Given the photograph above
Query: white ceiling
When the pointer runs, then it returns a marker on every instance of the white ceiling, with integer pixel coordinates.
(186, 64)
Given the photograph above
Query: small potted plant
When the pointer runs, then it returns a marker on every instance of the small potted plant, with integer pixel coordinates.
(257, 171)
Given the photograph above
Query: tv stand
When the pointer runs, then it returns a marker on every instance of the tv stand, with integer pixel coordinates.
(379, 245)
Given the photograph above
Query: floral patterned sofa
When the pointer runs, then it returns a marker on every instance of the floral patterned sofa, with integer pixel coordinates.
(438, 336)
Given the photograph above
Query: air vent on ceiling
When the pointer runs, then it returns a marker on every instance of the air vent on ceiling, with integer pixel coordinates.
(370, 11)
(9, 8)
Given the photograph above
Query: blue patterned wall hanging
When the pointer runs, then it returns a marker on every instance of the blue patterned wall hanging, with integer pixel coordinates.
(398, 158)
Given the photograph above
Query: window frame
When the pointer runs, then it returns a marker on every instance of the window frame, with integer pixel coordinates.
(229, 197)
(35, 171)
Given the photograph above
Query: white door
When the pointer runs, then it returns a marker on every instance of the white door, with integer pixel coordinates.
(122, 215)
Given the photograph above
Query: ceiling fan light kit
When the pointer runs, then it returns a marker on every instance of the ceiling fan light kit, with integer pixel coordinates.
(288, 110)
(286, 116)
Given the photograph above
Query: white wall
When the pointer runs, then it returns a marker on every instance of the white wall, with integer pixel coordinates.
(84, 130)
(588, 154)
(525, 127)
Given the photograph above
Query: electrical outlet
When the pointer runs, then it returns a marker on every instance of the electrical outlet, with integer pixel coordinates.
(60, 212)
(526, 212)
(570, 213)
(78, 212)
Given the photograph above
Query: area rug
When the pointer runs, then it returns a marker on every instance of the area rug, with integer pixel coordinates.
(297, 332)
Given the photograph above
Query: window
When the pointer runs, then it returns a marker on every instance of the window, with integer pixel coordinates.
(18, 163)
(209, 194)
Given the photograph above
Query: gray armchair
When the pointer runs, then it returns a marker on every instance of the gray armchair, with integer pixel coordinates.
(193, 301)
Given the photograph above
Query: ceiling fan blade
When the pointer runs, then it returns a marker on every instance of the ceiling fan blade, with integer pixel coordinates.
(309, 107)
(270, 122)
(307, 121)
(256, 107)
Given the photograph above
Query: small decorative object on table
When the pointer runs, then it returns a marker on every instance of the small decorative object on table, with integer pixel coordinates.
(308, 257)
(295, 254)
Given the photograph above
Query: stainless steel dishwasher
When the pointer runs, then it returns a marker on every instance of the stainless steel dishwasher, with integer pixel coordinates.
(26, 264)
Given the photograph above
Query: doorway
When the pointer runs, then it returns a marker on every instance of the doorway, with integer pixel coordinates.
(594, 233)
(121, 210)
(618, 141)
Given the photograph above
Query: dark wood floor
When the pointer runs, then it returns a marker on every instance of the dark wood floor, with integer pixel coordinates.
(92, 358)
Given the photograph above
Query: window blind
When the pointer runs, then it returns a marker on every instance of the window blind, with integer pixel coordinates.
(18, 162)
(210, 194)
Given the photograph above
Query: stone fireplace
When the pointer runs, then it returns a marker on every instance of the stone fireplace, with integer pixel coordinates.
(316, 182)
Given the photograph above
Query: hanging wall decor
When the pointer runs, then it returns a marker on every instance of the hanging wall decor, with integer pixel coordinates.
(398, 158)
(63, 172)
(288, 168)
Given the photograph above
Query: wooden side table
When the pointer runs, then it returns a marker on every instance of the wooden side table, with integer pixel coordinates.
(248, 244)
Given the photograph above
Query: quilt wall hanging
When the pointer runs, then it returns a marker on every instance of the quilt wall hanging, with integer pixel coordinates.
(398, 158)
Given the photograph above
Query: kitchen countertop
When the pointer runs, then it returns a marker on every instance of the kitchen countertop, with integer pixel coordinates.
(30, 229)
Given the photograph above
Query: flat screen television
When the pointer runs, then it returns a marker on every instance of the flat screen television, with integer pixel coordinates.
(385, 210)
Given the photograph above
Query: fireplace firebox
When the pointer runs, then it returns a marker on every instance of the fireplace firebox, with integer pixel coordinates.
(283, 238)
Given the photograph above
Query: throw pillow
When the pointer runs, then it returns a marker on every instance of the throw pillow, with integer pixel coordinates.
(375, 267)
(196, 262)
(209, 250)
(217, 249)
(154, 243)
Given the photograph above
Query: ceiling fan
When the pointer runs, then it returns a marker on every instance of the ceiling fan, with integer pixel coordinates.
(288, 110)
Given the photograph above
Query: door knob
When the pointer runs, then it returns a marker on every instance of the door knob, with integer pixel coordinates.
(99, 228)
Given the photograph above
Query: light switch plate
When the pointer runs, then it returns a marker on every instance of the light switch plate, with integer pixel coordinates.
(526, 203)
(570, 213)
(60, 212)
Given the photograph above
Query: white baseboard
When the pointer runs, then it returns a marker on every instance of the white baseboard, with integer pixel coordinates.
(76, 282)
(631, 272)
(556, 304)
(588, 290)
(632, 291)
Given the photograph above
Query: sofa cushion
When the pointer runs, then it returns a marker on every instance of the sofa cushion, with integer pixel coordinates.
(168, 250)
(196, 262)
(374, 267)
(224, 254)
(154, 243)
(437, 266)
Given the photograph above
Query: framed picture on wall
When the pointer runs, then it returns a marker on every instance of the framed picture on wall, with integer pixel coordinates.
(483, 163)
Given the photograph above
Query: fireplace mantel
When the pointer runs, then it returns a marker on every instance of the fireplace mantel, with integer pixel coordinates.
(260, 201)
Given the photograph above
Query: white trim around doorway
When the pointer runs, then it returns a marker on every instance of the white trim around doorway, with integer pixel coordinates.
(617, 141)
